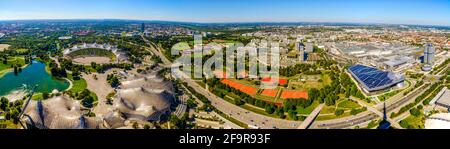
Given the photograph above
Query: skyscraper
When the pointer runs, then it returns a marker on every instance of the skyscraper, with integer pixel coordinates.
(429, 53)
(142, 28)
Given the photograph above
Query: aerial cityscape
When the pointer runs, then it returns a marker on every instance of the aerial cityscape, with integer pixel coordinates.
(168, 65)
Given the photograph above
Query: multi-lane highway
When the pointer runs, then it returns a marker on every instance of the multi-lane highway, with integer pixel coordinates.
(252, 119)
(261, 121)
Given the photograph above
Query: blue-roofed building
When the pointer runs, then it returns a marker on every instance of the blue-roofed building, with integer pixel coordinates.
(373, 79)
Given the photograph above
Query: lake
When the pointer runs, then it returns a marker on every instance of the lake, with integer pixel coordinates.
(33, 74)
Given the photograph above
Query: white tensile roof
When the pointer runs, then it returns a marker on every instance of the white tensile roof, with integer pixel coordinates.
(438, 121)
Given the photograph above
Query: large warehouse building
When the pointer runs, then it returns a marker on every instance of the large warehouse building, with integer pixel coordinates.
(372, 79)
(442, 98)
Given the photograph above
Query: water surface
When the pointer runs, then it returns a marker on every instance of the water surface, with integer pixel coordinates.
(33, 74)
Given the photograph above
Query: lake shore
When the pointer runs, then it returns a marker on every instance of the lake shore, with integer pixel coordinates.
(16, 95)
(5, 71)
(32, 74)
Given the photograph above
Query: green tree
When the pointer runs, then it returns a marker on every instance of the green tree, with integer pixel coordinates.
(269, 108)
(292, 114)
(4, 103)
(135, 125)
(113, 80)
(339, 112)
(45, 95)
(415, 112)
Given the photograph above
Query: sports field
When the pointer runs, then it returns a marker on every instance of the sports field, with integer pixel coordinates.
(241, 87)
(269, 92)
(285, 94)
(281, 82)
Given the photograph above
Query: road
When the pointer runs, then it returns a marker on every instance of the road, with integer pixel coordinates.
(308, 121)
(381, 114)
(261, 121)
(156, 51)
(364, 117)
(243, 115)
(346, 122)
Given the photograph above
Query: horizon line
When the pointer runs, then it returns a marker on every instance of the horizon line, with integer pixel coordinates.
(225, 22)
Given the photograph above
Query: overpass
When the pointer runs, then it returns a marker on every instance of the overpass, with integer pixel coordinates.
(310, 119)
(230, 109)
(381, 114)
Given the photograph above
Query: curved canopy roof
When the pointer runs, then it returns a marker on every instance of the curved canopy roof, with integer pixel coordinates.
(58, 113)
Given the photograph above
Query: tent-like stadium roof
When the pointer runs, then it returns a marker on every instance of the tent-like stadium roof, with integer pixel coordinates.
(438, 121)
(149, 82)
(142, 103)
(58, 113)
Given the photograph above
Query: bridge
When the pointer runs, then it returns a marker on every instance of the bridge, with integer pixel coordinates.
(308, 121)
(379, 113)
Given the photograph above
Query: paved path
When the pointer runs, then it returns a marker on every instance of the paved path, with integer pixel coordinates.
(308, 121)
(238, 113)
(372, 109)
(155, 51)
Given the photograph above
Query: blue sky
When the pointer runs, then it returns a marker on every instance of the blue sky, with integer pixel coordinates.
(432, 12)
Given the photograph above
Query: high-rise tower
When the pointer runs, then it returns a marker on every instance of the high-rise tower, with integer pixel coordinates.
(142, 28)
(429, 53)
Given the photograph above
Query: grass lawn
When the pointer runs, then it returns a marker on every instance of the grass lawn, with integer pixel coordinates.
(413, 122)
(10, 125)
(11, 61)
(348, 104)
(231, 119)
(266, 98)
(95, 98)
(388, 95)
(22, 50)
(258, 111)
(78, 85)
(328, 109)
(373, 124)
(89, 68)
(226, 98)
(307, 110)
(249, 107)
(311, 81)
(332, 116)
(244, 81)
(326, 79)
(37, 96)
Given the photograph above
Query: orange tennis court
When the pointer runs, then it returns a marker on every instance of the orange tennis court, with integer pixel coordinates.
(241, 87)
(294, 94)
(280, 81)
(269, 92)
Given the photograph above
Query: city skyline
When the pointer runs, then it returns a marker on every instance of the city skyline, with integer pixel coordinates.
(348, 11)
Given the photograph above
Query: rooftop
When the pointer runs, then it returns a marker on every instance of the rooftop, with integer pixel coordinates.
(373, 79)
(442, 98)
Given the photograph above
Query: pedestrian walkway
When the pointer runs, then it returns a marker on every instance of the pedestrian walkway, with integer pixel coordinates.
(308, 121)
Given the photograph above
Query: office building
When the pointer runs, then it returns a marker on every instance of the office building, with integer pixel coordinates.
(142, 28)
(429, 54)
